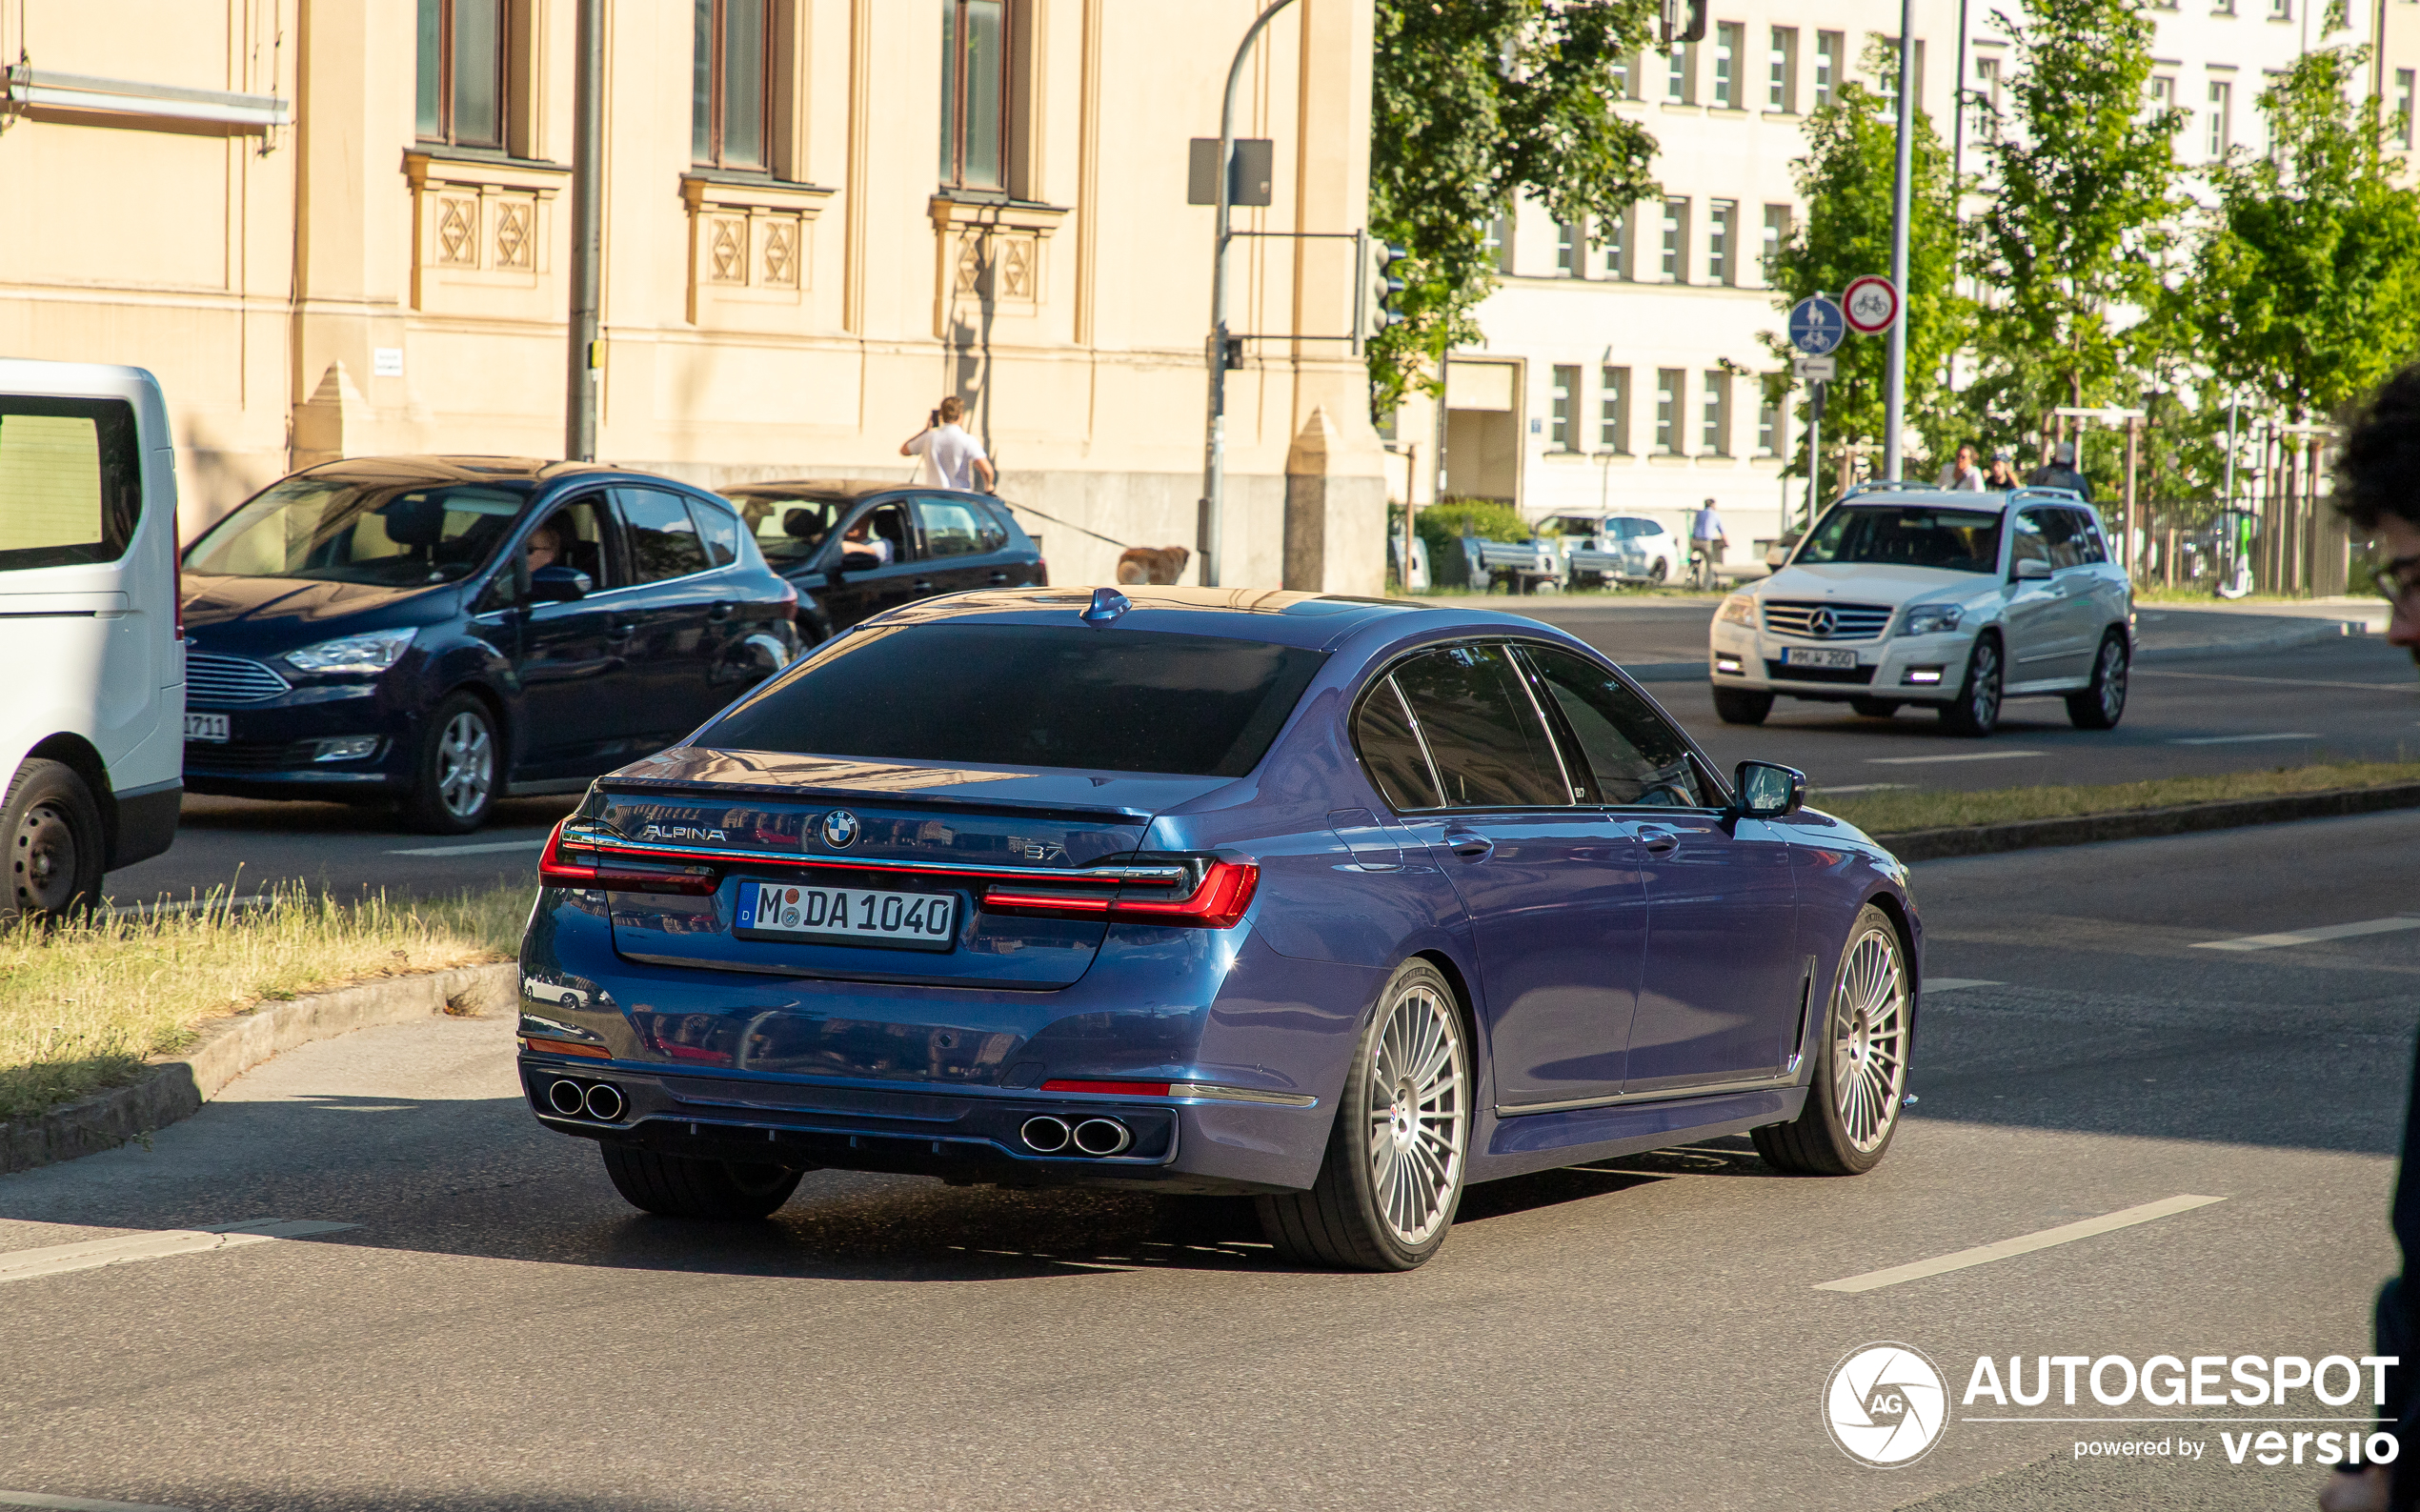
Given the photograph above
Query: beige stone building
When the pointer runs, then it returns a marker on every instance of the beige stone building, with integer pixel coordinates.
(339, 226)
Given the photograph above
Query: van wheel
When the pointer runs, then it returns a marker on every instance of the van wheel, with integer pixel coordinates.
(1741, 705)
(56, 848)
(460, 766)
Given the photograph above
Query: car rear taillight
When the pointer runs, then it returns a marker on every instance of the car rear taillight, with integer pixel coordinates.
(561, 865)
(1219, 900)
(1120, 1089)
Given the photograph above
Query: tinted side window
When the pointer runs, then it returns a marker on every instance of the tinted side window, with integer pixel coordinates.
(718, 532)
(662, 539)
(71, 481)
(951, 528)
(2064, 531)
(1490, 750)
(1391, 751)
(2087, 540)
(994, 535)
(2028, 543)
(1634, 754)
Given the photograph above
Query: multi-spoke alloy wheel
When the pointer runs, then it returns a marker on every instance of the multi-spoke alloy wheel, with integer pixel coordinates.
(2102, 703)
(466, 765)
(459, 768)
(1861, 1061)
(1392, 1174)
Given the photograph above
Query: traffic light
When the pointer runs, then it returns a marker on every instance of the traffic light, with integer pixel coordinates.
(1392, 256)
(1682, 21)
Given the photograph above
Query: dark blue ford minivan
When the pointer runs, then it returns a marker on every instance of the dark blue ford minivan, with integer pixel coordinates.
(440, 632)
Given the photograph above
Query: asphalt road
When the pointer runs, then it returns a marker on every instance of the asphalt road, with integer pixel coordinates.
(498, 1331)
(2213, 709)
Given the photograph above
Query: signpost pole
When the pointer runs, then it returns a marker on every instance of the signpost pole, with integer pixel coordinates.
(1814, 445)
(1895, 371)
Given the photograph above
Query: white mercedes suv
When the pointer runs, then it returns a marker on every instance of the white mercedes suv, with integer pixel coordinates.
(1910, 595)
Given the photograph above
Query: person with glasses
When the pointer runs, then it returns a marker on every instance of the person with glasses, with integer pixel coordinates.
(2378, 490)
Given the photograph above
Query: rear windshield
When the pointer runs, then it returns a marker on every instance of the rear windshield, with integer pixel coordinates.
(1900, 535)
(349, 532)
(1108, 699)
(71, 481)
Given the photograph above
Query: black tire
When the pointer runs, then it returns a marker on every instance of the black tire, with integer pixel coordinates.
(717, 1191)
(1350, 1216)
(1976, 710)
(2102, 704)
(451, 793)
(57, 848)
(1821, 1140)
(1875, 708)
(1659, 570)
(1741, 705)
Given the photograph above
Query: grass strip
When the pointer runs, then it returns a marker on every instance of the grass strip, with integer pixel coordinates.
(83, 1005)
(1888, 814)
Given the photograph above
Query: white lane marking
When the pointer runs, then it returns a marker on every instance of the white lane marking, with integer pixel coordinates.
(58, 1260)
(2244, 739)
(484, 848)
(2290, 682)
(1953, 983)
(2022, 1244)
(1972, 756)
(1866, 787)
(2313, 936)
(77, 1503)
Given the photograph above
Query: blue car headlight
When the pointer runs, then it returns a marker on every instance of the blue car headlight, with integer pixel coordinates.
(1932, 619)
(371, 652)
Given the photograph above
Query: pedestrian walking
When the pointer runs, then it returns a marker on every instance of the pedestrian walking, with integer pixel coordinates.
(1961, 475)
(2061, 473)
(2002, 475)
(2378, 490)
(952, 457)
(1707, 542)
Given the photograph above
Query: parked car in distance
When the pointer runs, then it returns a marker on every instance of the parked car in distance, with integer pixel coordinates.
(1907, 595)
(1626, 548)
(440, 632)
(90, 731)
(856, 549)
(1341, 904)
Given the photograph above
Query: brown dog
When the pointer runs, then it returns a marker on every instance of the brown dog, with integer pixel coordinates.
(1152, 564)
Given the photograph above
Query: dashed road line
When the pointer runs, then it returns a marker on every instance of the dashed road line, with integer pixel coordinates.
(484, 848)
(77, 1503)
(2022, 1244)
(59, 1259)
(1969, 755)
(2242, 739)
(2313, 936)
(1953, 983)
(1828, 790)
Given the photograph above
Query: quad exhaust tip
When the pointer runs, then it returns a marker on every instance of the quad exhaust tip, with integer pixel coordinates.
(601, 1100)
(564, 1097)
(604, 1102)
(1103, 1136)
(1044, 1133)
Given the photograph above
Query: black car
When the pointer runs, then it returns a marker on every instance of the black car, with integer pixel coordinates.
(440, 632)
(856, 549)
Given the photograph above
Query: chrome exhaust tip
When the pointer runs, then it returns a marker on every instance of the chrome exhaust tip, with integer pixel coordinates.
(1103, 1136)
(564, 1097)
(1044, 1133)
(604, 1102)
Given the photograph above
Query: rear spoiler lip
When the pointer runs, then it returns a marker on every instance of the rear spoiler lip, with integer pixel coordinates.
(1119, 814)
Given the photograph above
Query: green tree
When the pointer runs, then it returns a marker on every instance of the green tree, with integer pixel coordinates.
(1845, 181)
(1474, 102)
(2081, 206)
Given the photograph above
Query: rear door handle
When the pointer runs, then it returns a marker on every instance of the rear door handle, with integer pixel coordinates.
(719, 613)
(622, 630)
(1659, 841)
(998, 578)
(1468, 844)
(923, 585)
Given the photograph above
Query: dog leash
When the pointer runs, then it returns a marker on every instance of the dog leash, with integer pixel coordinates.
(1070, 524)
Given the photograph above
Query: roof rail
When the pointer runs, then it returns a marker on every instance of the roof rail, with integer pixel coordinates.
(2031, 489)
(1879, 485)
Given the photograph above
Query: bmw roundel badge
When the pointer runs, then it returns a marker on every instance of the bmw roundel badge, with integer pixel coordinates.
(840, 829)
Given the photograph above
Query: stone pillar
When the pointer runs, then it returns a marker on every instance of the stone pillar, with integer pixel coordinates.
(1335, 513)
(334, 422)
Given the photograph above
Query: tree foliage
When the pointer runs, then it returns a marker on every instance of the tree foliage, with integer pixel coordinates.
(1474, 102)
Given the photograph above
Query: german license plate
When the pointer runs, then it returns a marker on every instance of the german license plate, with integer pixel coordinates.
(206, 727)
(1817, 656)
(847, 916)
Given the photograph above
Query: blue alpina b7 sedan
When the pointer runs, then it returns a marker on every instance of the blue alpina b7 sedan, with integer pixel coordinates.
(1341, 905)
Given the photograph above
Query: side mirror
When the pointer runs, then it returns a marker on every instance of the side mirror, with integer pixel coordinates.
(556, 583)
(1768, 790)
(2029, 570)
(1775, 555)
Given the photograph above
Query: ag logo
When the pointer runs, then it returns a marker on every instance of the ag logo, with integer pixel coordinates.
(840, 829)
(1886, 1404)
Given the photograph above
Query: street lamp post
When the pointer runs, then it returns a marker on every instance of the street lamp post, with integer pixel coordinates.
(1903, 171)
(1214, 467)
(588, 184)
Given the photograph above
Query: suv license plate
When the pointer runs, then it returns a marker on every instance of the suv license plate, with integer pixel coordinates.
(1810, 656)
(847, 916)
(206, 727)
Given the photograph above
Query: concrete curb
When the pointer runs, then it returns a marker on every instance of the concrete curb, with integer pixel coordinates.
(176, 1086)
(1991, 840)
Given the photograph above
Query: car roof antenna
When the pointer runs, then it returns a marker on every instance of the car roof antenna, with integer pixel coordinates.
(1107, 604)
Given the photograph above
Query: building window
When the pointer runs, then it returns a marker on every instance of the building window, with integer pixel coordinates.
(728, 95)
(1624, 66)
(2222, 7)
(1781, 82)
(2163, 94)
(1564, 393)
(1721, 229)
(1499, 242)
(1676, 236)
(1613, 412)
(1888, 85)
(461, 72)
(1727, 48)
(1668, 411)
(2222, 123)
(1715, 434)
(1768, 427)
(975, 100)
(2403, 106)
(2281, 9)
(1777, 235)
(1827, 45)
(1676, 73)
(1568, 243)
(1616, 242)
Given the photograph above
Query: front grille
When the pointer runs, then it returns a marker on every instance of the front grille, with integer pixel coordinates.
(249, 756)
(1849, 621)
(1780, 673)
(229, 679)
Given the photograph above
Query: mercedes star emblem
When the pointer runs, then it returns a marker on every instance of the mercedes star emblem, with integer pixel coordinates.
(1821, 623)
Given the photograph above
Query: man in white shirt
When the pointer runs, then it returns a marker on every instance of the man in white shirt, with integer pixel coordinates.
(957, 457)
(1705, 533)
(1963, 476)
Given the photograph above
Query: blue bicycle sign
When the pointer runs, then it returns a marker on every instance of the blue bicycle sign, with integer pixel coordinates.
(1817, 325)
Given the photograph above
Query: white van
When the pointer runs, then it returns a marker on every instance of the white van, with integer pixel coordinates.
(91, 634)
